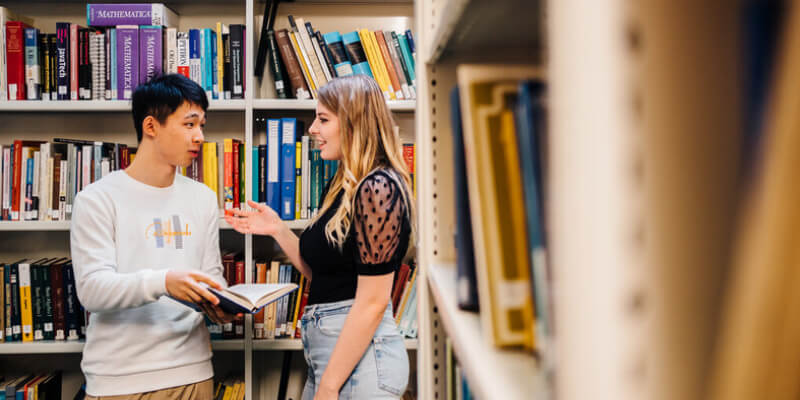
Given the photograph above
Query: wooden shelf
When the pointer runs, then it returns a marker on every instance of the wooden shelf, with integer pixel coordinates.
(99, 106)
(469, 27)
(290, 104)
(492, 373)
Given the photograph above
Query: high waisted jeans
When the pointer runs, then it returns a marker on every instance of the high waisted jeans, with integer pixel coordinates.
(382, 372)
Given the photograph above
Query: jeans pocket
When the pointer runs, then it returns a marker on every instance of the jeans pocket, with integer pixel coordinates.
(391, 360)
(331, 325)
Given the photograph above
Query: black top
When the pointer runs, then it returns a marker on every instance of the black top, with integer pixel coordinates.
(377, 241)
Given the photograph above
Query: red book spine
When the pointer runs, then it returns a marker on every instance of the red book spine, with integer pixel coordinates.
(303, 303)
(73, 61)
(15, 59)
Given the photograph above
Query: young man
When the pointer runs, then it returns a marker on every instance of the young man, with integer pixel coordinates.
(143, 234)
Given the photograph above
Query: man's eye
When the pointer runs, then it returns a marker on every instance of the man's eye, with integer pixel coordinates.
(189, 124)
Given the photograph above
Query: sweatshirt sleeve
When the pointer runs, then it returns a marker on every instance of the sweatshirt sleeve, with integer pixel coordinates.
(212, 260)
(100, 287)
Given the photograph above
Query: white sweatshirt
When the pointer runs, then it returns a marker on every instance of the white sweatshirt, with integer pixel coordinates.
(125, 235)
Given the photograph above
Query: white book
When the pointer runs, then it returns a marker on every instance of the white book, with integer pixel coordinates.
(23, 163)
(183, 63)
(48, 216)
(305, 176)
(308, 71)
(305, 44)
(62, 190)
(171, 54)
(273, 154)
(105, 168)
(35, 197)
(86, 159)
(72, 157)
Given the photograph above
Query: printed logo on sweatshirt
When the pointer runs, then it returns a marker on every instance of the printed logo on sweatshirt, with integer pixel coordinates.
(167, 232)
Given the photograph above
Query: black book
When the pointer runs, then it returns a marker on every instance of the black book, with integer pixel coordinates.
(326, 51)
(237, 61)
(270, 9)
(276, 67)
(226, 65)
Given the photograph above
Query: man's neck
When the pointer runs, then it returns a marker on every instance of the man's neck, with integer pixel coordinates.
(149, 168)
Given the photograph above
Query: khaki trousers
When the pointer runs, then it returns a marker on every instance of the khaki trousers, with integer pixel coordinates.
(196, 391)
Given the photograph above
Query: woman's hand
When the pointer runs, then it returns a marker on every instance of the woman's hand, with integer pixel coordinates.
(263, 220)
(326, 394)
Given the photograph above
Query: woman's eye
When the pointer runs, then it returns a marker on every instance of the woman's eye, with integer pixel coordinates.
(323, 120)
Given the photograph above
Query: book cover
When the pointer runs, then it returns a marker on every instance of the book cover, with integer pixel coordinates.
(237, 61)
(275, 65)
(305, 64)
(326, 53)
(183, 64)
(287, 168)
(25, 301)
(355, 52)
(247, 298)
(15, 59)
(274, 164)
(62, 60)
(298, 179)
(389, 65)
(130, 14)
(195, 60)
(255, 166)
(150, 52)
(299, 88)
(341, 63)
(32, 70)
(408, 58)
(127, 61)
(398, 66)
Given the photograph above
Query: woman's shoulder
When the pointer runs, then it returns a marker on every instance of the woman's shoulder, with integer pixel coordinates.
(382, 175)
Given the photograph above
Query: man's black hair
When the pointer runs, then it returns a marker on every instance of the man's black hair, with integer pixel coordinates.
(161, 96)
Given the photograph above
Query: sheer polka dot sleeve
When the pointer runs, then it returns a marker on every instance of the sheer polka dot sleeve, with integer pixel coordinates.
(378, 218)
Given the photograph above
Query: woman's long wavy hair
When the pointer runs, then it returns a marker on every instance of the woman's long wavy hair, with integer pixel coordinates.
(369, 140)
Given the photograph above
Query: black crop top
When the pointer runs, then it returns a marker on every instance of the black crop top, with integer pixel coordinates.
(377, 241)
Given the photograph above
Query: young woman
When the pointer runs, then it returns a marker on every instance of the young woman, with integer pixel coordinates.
(352, 249)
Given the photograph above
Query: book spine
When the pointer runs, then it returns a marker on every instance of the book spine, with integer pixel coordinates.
(127, 61)
(16, 168)
(298, 178)
(183, 63)
(339, 58)
(171, 43)
(314, 67)
(150, 52)
(226, 63)
(237, 61)
(293, 69)
(59, 311)
(129, 14)
(52, 44)
(25, 301)
(47, 302)
(32, 74)
(107, 57)
(355, 52)
(16, 319)
(43, 51)
(287, 168)
(262, 174)
(72, 308)
(74, 55)
(275, 65)
(219, 61)
(273, 164)
(305, 179)
(326, 53)
(5, 272)
(114, 58)
(305, 64)
(2, 304)
(15, 59)
(318, 50)
(37, 299)
(408, 58)
(213, 59)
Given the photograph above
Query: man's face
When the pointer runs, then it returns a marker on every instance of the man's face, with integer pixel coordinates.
(180, 138)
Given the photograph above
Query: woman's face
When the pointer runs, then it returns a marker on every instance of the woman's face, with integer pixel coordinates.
(326, 130)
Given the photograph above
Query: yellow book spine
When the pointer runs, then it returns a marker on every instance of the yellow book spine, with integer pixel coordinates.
(406, 293)
(305, 67)
(214, 167)
(220, 62)
(26, 305)
(384, 65)
(374, 64)
(207, 165)
(298, 184)
(300, 289)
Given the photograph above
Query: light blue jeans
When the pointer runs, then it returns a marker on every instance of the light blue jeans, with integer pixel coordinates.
(382, 372)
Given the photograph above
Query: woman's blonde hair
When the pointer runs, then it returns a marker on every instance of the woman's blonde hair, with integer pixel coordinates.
(369, 140)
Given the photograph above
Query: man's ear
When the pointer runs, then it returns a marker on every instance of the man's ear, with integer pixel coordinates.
(149, 126)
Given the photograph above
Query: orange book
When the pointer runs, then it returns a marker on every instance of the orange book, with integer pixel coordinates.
(387, 60)
(258, 319)
(228, 171)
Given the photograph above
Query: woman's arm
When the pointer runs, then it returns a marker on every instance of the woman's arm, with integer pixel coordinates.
(372, 297)
(263, 220)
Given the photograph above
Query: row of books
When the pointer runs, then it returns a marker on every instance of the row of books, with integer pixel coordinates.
(498, 123)
(39, 301)
(230, 388)
(108, 60)
(457, 387)
(302, 59)
(40, 179)
(32, 387)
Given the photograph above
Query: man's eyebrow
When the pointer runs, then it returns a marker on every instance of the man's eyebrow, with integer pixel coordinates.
(193, 114)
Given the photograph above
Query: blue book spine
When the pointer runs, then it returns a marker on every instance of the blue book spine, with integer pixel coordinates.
(341, 63)
(410, 39)
(407, 57)
(195, 67)
(214, 65)
(288, 161)
(256, 173)
(32, 78)
(28, 189)
(113, 58)
(273, 164)
(205, 54)
(355, 51)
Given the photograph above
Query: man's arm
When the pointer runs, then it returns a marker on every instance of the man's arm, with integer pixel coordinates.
(100, 287)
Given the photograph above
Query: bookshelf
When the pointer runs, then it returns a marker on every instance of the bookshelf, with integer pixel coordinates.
(110, 121)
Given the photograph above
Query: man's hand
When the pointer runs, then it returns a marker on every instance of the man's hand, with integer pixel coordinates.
(184, 285)
(217, 315)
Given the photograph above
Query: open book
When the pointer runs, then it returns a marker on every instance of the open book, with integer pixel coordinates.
(248, 297)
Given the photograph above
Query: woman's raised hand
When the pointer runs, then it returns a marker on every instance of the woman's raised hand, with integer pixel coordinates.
(263, 220)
